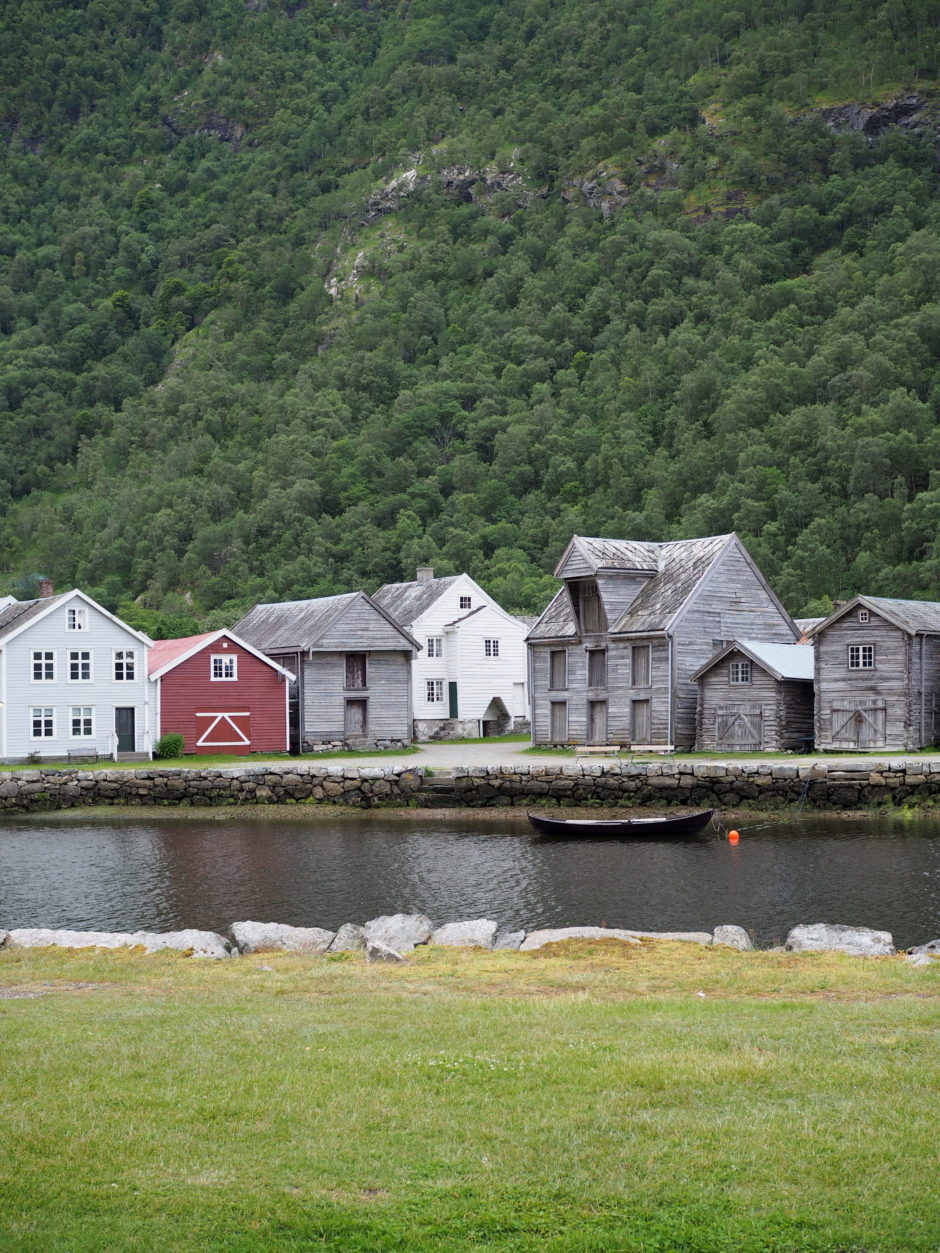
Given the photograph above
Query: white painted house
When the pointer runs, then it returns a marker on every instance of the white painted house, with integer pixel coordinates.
(73, 681)
(470, 677)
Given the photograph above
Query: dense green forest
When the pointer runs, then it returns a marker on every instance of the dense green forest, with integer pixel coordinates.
(297, 295)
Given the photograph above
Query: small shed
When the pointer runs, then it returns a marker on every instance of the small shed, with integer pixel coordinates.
(754, 696)
(220, 694)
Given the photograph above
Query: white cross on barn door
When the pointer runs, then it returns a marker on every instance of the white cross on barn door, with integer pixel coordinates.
(224, 730)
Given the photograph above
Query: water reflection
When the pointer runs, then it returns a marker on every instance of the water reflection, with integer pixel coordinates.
(118, 872)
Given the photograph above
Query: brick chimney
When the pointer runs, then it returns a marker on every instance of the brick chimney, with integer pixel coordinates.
(424, 574)
(45, 589)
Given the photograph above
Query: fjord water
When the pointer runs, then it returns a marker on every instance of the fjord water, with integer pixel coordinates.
(118, 872)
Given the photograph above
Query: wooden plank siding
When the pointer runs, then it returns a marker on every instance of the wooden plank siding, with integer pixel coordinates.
(387, 693)
(360, 627)
(785, 708)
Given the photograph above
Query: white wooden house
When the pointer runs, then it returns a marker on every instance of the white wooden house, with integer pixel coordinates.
(470, 677)
(73, 682)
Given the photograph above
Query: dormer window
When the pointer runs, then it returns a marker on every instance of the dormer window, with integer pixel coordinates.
(586, 602)
(863, 615)
(76, 619)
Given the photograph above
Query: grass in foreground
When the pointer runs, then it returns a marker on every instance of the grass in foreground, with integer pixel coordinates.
(592, 1096)
(199, 761)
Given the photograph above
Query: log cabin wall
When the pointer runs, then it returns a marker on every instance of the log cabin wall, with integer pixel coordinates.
(387, 693)
(870, 707)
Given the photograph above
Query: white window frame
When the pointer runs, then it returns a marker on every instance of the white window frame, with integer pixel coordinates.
(491, 648)
(861, 656)
(434, 691)
(466, 602)
(74, 656)
(42, 710)
(81, 735)
(225, 661)
(435, 646)
(739, 673)
(121, 657)
(863, 616)
(76, 618)
(46, 656)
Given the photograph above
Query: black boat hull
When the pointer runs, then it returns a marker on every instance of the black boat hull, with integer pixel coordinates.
(625, 828)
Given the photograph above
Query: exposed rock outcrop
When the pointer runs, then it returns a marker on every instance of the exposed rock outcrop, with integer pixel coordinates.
(910, 112)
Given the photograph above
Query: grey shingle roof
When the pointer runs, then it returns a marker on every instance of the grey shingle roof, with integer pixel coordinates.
(291, 624)
(557, 622)
(406, 602)
(682, 565)
(910, 615)
(12, 617)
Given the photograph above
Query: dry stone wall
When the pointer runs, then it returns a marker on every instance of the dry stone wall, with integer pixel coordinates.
(722, 785)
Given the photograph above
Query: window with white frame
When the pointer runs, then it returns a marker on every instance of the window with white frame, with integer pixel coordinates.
(224, 667)
(125, 665)
(42, 723)
(739, 672)
(435, 646)
(434, 691)
(76, 619)
(491, 648)
(863, 615)
(43, 660)
(79, 665)
(465, 602)
(81, 721)
(861, 656)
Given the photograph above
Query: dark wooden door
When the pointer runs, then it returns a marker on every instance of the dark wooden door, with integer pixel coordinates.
(597, 721)
(641, 728)
(739, 727)
(124, 729)
(356, 718)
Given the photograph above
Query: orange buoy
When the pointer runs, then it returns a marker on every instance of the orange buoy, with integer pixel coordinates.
(733, 837)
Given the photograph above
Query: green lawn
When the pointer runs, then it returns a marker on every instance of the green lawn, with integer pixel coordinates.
(198, 761)
(659, 1099)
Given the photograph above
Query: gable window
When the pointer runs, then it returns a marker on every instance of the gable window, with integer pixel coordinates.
(43, 665)
(597, 667)
(861, 656)
(588, 609)
(739, 672)
(640, 665)
(355, 670)
(76, 619)
(558, 668)
(79, 665)
(491, 648)
(42, 723)
(863, 615)
(224, 667)
(81, 721)
(125, 664)
(435, 646)
(434, 691)
(465, 602)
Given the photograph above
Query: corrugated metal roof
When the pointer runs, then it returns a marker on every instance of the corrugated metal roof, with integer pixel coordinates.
(21, 611)
(290, 624)
(406, 602)
(682, 565)
(789, 661)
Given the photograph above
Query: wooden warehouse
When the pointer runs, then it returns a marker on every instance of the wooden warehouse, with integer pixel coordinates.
(753, 696)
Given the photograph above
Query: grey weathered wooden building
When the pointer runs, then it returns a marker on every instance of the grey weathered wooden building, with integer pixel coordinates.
(756, 696)
(612, 657)
(878, 675)
(353, 667)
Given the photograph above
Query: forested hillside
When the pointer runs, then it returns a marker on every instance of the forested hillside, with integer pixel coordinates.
(295, 296)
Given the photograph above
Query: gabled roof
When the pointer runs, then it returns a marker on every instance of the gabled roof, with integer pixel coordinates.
(916, 617)
(167, 654)
(406, 602)
(783, 661)
(16, 617)
(557, 621)
(586, 554)
(289, 625)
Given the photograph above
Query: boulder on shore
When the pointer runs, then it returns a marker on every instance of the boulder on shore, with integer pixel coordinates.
(350, 938)
(400, 932)
(475, 933)
(198, 943)
(827, 937)
(376, 951)
(732, 937)
(261, 937)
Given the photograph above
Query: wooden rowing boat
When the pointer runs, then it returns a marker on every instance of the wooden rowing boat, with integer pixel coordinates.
(626, 828)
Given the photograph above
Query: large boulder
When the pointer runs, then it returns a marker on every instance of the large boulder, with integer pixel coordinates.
(475, 933)
(198, 943)
(400, 932)
(924, 954)
(262, 937)
(376, 951)
(823, 937)
(509, 939)
(732, 937)
(350, 938)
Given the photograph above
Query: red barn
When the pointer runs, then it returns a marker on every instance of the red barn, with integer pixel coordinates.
(220, 694)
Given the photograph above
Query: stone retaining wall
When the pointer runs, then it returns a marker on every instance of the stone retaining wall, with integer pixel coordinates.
(722, 785)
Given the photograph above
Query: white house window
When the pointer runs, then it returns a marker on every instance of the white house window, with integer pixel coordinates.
(863, 615)
(435, 646)
(43, 665)
(125, 665)
(79, 665)
(465, 602)
(434, 689)
(81, 721)
(861, 656)
(76, 619)
(42, 723)
(740, 672)
(224, 667)
(491, 648)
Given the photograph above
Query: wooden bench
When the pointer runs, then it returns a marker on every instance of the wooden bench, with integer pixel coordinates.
(664, 750)
(92, 756)
(606, 750)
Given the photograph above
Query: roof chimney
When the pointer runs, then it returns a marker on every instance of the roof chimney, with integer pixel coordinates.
(45, 589)
(424, 574)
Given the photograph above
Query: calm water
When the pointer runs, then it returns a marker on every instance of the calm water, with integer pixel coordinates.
(121, 873)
